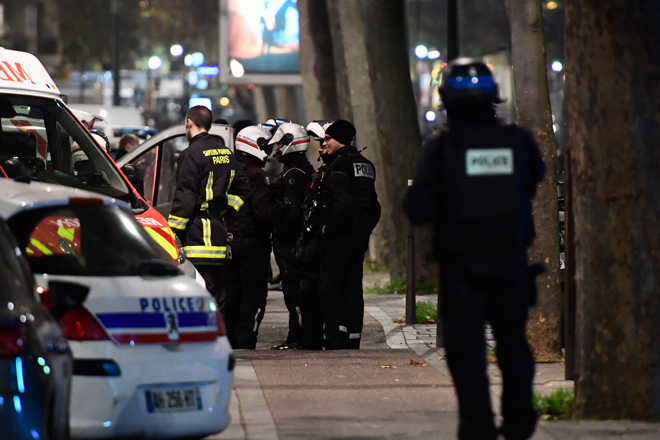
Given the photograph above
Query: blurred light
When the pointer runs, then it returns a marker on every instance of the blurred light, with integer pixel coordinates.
(193, 78)
(224, 101)
(46, 369)
(17, 404)
(421, 52)
(107, 76)
(490, 66)
(107, 423)
(10, 305)
(556, 66)
(203, 84)
(555, 127)
(20, 380)
(40, 290)
(155, 63)
(434, 54)
(552, 5)
(187, 60)
(206, 102)
(197, 59)
(430, 116)
(209, 70)
(176, 50)
(35, 434)
(212, 305)
(41, 361)
(236, 68)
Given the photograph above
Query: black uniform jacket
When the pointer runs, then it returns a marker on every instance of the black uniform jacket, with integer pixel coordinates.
(205, 171)
(292, 185)
(354, 210)
(475, 210)
(261, 210)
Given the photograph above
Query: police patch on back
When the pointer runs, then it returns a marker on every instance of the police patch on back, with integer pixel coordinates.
(489, 162)
(364, 170)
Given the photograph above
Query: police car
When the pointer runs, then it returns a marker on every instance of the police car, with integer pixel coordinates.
(42, 138)
(151, 358)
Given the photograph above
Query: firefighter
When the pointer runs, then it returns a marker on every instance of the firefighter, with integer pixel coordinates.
(290, 145)
(205, 170)
(351, 215)
(249, 268)
(475, 183)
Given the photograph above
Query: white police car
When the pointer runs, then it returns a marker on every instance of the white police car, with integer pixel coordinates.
(151, 358)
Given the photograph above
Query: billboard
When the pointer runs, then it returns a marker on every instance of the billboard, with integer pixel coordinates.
(259, 42)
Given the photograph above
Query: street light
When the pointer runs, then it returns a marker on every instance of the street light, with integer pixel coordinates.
(556, 66)
(176, 50)
(430, 116)
(155, 63)
(434, 54)
(421, 52)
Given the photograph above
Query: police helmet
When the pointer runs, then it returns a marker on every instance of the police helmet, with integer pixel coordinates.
(294, 138)
(272, 124)
(316, 129)
(468, 80)
(253, 140)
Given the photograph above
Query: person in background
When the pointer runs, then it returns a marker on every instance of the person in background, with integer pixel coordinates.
(475, 183)
(126, 143)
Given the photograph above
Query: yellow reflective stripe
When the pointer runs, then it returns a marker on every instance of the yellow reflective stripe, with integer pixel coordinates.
(234, 201)
(40, 246)
(29, 251)
(206, 231)
(162, 241)
(66, 233)
(209, 191)
(205, 251)
(177, 222)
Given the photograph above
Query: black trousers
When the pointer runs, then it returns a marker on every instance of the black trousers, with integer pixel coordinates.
(311, 320)
(494, 288)
(340, 291)
(285, 256)
(214, 276)
(246, 290)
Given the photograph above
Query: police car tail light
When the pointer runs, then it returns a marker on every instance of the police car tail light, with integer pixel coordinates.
(79, 325)
(85, 201)
(12, 339)
(222, 330)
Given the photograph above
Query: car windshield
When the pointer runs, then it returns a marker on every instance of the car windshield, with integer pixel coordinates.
(42, 135)
(96, 240)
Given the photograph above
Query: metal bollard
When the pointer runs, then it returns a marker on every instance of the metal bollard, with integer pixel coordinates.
(411, 300)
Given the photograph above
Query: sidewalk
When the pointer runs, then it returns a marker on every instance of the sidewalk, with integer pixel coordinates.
(382, 391)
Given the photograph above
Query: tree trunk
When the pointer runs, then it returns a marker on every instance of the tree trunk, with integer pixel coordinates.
(613, 127)
(530, 79)
(341, 72)
(318, 59)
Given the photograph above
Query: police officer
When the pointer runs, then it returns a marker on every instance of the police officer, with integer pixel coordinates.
(353, 212)
(475, 182)
(249, 268)
(204, 173)
(311, 319)
(290, 144)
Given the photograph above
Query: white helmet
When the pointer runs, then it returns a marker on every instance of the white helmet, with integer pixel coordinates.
(294, 137)
(316, 129)
(253, 140)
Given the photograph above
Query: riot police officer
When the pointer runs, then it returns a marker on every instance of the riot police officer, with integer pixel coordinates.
(291, 142)
(204, 172)
(351, 215)
(249, 268)
(475, 182)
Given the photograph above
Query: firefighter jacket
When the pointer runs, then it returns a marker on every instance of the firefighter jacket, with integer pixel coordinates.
(261, 210)
(353, 210)
(475, 182)
(205, 171)
(292, 185)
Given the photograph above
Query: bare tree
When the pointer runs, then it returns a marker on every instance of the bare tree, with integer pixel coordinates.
(613, 127)
(530, 78)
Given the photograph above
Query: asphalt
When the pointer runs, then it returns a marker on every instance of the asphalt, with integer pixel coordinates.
(397, 386)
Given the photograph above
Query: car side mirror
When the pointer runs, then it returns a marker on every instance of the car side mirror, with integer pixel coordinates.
(134, 175)
(64, 296)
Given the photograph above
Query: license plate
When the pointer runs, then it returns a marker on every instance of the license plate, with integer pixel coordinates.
(174, 400)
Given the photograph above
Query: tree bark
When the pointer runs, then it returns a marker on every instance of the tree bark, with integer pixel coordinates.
(530, 79)
(308, 64)
(340, 62)
(613, 127)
